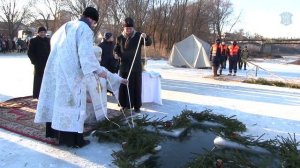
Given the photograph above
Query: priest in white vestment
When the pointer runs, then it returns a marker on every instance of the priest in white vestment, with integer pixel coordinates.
(70, 68)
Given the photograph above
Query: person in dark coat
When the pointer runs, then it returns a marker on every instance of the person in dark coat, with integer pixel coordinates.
(125, 48)
(224, 52)
(38, 52)
(107, 59)
(234, 55)
(244, 57)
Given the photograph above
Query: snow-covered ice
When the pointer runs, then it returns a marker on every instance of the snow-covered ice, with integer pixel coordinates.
(264, 109)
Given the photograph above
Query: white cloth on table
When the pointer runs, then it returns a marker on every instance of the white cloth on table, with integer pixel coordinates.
(151, 87)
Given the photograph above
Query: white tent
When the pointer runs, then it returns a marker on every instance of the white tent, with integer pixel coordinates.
(191, 52)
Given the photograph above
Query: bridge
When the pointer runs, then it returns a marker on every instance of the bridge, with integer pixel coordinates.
(266, 45)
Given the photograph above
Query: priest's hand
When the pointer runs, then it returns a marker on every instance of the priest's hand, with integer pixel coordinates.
(124, 81)
(102, 74)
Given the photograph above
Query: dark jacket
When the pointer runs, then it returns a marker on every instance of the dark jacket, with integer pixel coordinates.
(38, 52)
(127, 54)
(107, 58)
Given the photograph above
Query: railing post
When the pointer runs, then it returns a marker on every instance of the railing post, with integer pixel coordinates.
(256, 69)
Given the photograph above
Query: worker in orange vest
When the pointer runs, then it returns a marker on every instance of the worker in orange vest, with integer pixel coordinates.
(224, 54)
(215, 56)
(233, 57)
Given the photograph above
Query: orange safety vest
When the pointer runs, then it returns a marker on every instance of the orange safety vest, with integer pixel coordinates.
(224, 49)
(233, 50)
(214, 49)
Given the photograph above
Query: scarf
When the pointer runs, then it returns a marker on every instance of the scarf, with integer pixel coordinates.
(128, 38)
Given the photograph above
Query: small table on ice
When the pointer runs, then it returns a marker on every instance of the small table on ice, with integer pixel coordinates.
(151, 87)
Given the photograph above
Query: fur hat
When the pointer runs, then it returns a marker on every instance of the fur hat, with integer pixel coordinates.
(128, 22)
(42, 29)
(91, 13)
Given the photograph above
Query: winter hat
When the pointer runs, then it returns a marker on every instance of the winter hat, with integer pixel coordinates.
(92, 13)
(42, 29)
(128, 22)
(107, 35)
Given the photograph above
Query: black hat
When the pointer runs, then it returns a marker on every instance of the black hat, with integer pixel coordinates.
(218, 40)
(92, 13)
(107, 35)
(42, 29)
(128, 22)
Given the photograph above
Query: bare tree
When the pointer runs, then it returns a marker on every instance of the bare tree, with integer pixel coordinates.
(168, 21)
(51, 13)
(222, 10)
(13, 16)
(236, 20)
(155, 17)
(42, 17)
(171, 21)
(198, 14)
(137, 9)
(174, 23)
(103, 7)
(76, 7)
(163, 28)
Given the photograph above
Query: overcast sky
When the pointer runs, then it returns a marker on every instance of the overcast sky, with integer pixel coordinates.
(263, 17)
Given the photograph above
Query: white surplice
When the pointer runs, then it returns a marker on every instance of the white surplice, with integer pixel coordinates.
(71, 64)
(97, 110)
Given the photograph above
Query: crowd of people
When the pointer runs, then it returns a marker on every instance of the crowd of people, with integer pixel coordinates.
(7, 45)
(68, 74)
(220, 53)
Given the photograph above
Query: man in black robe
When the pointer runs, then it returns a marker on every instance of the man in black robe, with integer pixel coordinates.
(38, 52)
(125, 48)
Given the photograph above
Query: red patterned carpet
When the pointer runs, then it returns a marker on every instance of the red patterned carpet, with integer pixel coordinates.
(16, 115)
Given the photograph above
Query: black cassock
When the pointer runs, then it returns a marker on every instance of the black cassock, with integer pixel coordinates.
(135, 90)
(126, 48)
(38, 52)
